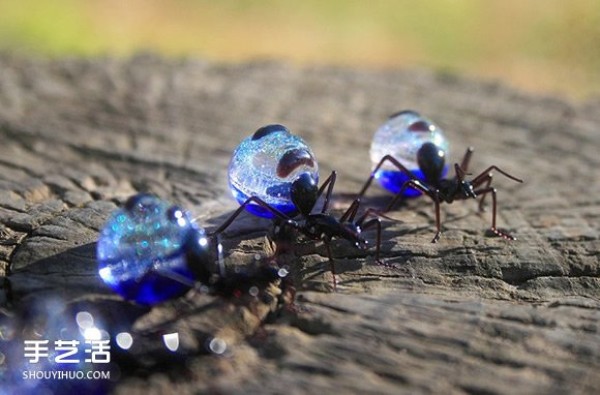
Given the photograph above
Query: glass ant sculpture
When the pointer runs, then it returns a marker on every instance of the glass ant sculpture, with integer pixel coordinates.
(401, 136)
(150, 251)
(431, 163)
(293, 171)
(265, 165)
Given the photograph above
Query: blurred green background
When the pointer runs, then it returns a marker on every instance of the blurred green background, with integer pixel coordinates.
(545, 46)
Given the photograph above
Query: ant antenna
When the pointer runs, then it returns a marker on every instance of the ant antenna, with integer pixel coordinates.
(460, 173)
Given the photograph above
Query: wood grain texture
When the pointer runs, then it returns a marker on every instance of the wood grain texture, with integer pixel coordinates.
(470, 314)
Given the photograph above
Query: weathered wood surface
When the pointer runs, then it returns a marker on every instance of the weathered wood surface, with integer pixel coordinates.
(471, 314)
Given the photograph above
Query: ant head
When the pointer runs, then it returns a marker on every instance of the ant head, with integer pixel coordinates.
(352, 233)
(198, 257)
(361, 244)
(431, 160)
(304, 193)
(465, 187)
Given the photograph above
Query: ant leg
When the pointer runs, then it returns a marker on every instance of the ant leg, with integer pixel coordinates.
(237, 212)
(232, 218)
(438, 223)
(197, 286)
(496, 231)
(486, 177)
(369, 224)
(177, 277)
(331, 182)
(484, 174)
(488, 181)
(416, 184)
(433, 194)
(464, 164)
(351, 212)
(387, 158)
(331, 265)
(374, 213)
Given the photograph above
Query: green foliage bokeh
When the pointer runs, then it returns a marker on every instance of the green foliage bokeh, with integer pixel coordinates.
(548, 46)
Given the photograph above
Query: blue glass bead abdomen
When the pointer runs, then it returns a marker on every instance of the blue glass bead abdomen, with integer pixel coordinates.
(144, 245)
(401, 137)
(266, 164)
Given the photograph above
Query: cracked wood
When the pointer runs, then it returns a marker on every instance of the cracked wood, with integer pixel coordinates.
(471, 314)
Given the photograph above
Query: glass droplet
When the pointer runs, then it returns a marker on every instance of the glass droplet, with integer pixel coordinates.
(266, 164)
(144, 250)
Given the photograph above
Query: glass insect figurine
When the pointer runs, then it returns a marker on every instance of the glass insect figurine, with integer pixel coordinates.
(287, 191)
(150, 251)
(266, 164)
(401, 136)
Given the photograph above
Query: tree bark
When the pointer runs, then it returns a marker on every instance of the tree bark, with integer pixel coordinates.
(470, 314)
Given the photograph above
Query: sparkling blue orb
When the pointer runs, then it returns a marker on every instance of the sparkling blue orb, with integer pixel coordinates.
(401, 136)
(145, 248)
(266, 164)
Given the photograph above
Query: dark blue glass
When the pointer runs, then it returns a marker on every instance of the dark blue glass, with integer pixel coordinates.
(260, 211)
(143, 250)
(393, 180)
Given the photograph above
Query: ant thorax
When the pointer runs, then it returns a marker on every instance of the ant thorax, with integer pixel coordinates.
(448, 189)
